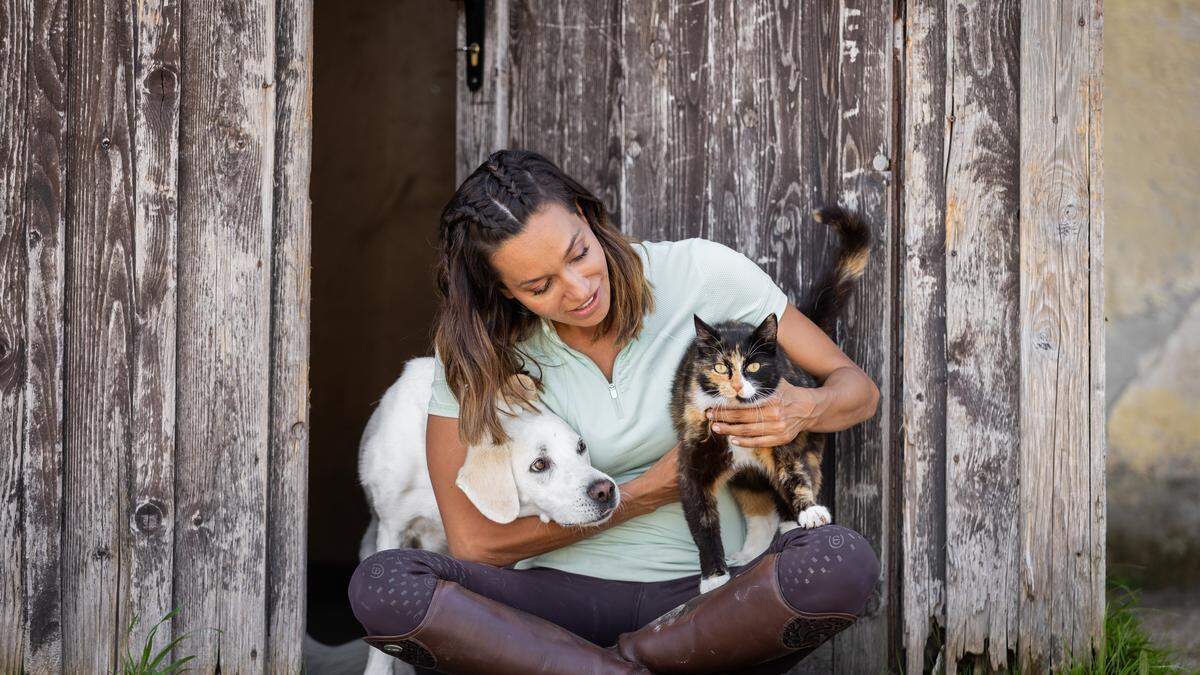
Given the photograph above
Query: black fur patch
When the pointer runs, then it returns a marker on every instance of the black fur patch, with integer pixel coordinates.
(810, 632)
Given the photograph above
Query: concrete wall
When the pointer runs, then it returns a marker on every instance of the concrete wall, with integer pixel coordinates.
(1152, 258)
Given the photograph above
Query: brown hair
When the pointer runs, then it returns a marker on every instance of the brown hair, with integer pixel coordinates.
(478, 329)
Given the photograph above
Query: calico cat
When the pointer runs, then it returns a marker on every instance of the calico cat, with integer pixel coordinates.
(735, 364)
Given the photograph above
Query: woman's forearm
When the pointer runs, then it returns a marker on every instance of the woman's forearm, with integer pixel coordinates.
(850, 397)
(529, 536)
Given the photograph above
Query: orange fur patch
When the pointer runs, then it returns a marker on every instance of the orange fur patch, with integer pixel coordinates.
(753, 503)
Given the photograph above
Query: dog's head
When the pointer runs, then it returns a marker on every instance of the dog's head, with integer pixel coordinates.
(542, 471)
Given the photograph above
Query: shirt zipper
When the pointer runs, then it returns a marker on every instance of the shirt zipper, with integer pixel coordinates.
(612, 393)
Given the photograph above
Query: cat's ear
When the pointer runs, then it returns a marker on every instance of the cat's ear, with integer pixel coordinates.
(768, 330)
(704, 332)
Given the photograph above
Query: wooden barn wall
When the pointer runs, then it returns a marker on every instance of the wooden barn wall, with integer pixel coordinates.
(731, 122)
(968, 135)
(154, 243)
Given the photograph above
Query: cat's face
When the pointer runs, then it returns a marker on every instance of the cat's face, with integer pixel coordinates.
(737, 361)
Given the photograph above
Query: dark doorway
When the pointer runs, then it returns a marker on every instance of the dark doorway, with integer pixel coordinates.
(383, 167)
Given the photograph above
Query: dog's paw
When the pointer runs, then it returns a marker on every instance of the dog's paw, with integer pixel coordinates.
(813, 516)
(715, 581)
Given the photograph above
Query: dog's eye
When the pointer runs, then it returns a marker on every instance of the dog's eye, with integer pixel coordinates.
(539, 465)
(582, 447)
(720, 368)
(752, 368)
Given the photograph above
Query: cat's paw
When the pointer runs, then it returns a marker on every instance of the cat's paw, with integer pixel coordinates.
(787, 526)
(715, 581)
(742, 557)
(813, 516)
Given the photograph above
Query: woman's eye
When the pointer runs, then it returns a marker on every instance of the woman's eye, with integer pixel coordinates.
(539, 465)
(752, 368)
(582, 447)
(720, 368)
(543, 289)
(581, 255)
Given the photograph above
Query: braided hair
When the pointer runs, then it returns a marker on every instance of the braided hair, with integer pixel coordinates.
(478, 330)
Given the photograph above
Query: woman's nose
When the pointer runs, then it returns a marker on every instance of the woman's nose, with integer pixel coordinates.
(579, 291)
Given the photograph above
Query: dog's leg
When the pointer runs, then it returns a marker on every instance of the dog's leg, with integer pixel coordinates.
(370, 540)
(388, 536)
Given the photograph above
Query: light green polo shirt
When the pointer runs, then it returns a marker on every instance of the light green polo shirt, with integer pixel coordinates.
(627, 423)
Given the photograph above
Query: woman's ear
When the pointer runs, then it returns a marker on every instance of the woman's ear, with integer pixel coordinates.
(487, 479)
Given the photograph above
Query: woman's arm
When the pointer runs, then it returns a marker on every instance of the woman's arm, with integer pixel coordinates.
(473, 537)
(846, 396)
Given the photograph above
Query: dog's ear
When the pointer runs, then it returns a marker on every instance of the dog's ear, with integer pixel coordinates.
(487, 479)
(525, 384)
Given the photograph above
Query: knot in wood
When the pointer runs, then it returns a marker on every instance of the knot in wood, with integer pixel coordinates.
(148, 517)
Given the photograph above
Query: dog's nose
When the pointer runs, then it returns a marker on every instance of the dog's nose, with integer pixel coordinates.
(601, 491)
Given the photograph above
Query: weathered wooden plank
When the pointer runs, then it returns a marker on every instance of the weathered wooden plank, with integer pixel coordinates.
(665, 85)
(45, 235)
(290, 303)
(99, 318)
(564, 69)
(482, 117)
(1094, 22)
(1061, 576)
(924, 299)
(16, 21)
(227, 147)
(820, 117)
(982, 303)
(865, 452)
(148, 540)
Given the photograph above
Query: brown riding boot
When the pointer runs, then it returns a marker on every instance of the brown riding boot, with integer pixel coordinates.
(741, 624)
(464, 632)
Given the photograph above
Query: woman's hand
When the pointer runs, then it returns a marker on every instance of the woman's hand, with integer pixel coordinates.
(658, 486)
(776, 420)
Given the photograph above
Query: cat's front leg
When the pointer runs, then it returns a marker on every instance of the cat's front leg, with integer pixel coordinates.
(798, 489)
(698, 497)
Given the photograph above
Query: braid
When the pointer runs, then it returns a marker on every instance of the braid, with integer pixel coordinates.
(506, 181)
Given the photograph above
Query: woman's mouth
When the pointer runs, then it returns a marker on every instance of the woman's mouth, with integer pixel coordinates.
(588, 306)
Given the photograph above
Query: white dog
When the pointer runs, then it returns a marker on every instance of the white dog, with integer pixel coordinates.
(542, 471)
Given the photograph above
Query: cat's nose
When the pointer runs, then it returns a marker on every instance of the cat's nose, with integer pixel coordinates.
(601, 491)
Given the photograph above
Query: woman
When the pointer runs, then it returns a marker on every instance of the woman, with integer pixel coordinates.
(534, 278)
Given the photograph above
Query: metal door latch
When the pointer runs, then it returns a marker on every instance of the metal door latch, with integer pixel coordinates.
(475, 12)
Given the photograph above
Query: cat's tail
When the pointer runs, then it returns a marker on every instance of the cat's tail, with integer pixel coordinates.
(828, 297)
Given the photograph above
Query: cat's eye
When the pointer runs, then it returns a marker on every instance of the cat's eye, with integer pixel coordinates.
(720, 368)
(752, 368)
(582, 447)
(539, 465)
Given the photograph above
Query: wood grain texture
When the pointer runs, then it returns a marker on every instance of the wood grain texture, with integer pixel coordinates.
(41, 354)
(147, 546)
(16, 52)
(1062, 522)
(662, 124)
(866, 452)
(924, 323)
(1098, 553)
(99, 320)
(290, 304)
(16, 20)
(482, 117)
(564, 71)
(227, 170)
(982, 324)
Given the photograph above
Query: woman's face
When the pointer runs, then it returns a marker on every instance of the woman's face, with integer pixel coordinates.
(555, 267)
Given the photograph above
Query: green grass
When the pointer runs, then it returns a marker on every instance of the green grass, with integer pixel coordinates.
(1127, 649)
(150, 661)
